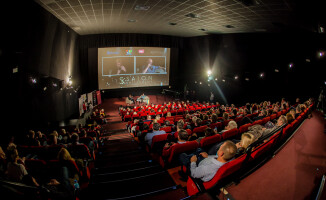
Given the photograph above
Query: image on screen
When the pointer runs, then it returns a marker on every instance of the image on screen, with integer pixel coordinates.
(123, 67)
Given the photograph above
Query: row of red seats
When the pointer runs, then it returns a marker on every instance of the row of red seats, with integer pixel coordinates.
(206, 142)
(235, 165)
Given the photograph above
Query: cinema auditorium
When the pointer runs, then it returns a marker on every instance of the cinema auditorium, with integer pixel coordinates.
(163, 100)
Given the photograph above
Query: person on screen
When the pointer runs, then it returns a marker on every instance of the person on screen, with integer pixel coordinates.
(150, 68)
(120, 68)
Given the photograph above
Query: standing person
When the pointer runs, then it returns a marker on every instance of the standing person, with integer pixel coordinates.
(211, 98)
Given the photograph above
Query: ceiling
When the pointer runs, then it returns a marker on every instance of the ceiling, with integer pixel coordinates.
(208, 16)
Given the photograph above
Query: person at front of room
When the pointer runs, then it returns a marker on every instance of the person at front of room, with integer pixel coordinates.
(150, 68)
(120, 68)
(142, 98)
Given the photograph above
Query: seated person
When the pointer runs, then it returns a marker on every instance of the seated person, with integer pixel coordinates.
(289, 118)
(142, 98)
(150, 68)
(231, 125)
(208, 132)
(208, 165)
(182, 138)
(156, 131)
(130, 99)
(246, 140)
(261, 115)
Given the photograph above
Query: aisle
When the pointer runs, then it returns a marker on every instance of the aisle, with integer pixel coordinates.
(295, 172)
(123, 170)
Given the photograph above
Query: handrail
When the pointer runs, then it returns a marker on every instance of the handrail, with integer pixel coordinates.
(262, 138)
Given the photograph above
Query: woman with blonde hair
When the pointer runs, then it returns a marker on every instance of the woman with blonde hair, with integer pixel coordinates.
(246, 139)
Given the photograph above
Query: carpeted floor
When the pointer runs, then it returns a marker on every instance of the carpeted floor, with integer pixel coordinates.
(295, 172)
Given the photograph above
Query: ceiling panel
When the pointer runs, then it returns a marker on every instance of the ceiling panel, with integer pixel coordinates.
(111, 16)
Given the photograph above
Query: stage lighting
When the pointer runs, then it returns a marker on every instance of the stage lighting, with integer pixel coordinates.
(223, 80)
(261, 75)
(215, 79)
(321, 54)
(33, 80)
(209, 72)
(236, 77)
(276, 70)
(290, 65)
(200, 83)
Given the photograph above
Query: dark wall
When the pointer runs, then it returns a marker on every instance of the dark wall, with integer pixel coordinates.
(248, 55)
(42, 47)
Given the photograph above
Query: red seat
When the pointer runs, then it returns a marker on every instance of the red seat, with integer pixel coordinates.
(177, 149)
(217, 125)
(230, 133)
(52, 151)
(167, 129)
(127, 118)
(226, 122)
(238, 119)
(273, 116)
(222, 173)
(258, 122)
(158, 142)
(266, 119)
(278, 114)
(36, 168)
(80, 151)
(244, 128)
(208, 141)
(287, 130)
(260, 150)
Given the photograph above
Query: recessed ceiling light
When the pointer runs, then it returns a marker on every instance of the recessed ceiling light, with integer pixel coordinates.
(192, 15)
(141, 7)
(202, 29)
(131, 20)
(229, 26)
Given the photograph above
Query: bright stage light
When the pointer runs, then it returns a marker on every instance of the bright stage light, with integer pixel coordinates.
(236, 77)
(261, 75)
(291, 65)
(321, 54)
(209, 72)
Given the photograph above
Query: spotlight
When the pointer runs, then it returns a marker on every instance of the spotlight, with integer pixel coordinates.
(321, 54)
(34, 81)
(261, 75)
(223, 80)
(276, 70)
(236, 77)
(209, 72)
(45, 88)
(215, 79)
(200, 83)
(54, 85)
(290, 65)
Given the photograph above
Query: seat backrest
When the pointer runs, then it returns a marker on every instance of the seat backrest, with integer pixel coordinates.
(182, 148)
(260, 150)
(230, 133)
(200, 129)
(217, 125)
(52, 152)
(226, 170)
(244, 128)
(273, 116)
(208, 141)
(258, 122)
(159, 138)
(266, 119)
(79, 151)
(167, 129)
(36, 168)
(287, 130)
